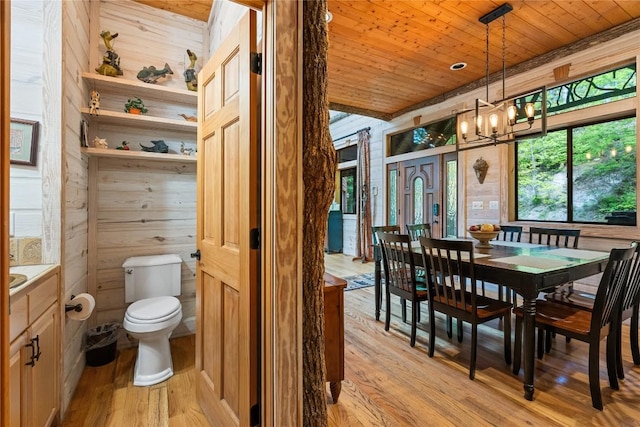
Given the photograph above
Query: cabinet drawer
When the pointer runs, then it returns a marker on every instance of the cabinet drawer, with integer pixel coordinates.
(42, 297)
(18, 319)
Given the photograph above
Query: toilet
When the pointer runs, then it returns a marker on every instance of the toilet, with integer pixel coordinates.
(151, 283)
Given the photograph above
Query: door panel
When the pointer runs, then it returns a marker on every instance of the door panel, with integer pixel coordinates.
(227, 317)
(418, 206)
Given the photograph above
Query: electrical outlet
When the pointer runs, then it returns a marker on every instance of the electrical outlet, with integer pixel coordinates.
(493, 204)
(477, 205)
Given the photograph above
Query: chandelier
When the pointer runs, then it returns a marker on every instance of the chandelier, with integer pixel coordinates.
(499, 121)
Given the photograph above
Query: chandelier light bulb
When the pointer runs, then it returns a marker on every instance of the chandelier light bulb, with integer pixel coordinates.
(511, 114)
(614, 152)
(464, 127)
(530, 111)
(588, 156)
(628, 148)
(493, 121)
(479, 125)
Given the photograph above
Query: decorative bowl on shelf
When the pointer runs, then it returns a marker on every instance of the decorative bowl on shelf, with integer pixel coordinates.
(483, 237)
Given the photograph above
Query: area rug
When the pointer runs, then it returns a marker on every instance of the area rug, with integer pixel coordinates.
(360, 281)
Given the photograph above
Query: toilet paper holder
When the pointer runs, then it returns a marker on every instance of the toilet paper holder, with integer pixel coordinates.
(72, 307)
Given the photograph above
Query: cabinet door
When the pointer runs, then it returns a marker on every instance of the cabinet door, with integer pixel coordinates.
(43, 399)
(16, 378)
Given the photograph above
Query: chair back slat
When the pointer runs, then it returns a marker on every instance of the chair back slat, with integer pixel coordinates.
(632, 291)
(510, 233)
(394, 229)
(398, 261)
(418, 230)
(567, 238)
(612, 286)
(448, 277)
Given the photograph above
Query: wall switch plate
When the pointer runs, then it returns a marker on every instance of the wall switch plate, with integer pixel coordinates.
(493, 204)
(477, 205)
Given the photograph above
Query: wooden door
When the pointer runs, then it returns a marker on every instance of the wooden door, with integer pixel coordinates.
(227, 309)
(420, 196)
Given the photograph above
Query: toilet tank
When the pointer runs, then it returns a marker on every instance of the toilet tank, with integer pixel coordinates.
(151, 276)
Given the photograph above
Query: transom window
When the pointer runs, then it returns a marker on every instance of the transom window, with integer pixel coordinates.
(424, 137)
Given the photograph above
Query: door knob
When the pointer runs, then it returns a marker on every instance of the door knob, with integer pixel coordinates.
(196, 254)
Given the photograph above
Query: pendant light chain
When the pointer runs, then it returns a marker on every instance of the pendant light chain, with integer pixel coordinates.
(504, 44)
(487, 62)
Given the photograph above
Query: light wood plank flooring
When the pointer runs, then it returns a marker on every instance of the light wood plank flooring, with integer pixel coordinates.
(388, 383)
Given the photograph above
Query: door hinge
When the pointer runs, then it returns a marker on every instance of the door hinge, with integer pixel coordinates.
(254, 238)
(256, 63)
(255, 415)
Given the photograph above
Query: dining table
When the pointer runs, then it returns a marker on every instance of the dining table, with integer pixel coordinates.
(526, 268)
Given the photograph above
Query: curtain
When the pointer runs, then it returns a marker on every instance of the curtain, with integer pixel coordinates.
(365, 251)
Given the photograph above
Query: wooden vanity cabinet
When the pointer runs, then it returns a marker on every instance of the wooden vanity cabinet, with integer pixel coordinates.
(334, 332)
(34, 353)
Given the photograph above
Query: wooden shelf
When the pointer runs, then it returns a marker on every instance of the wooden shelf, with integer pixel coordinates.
(140, 121)
(139, 155)
(140, 89)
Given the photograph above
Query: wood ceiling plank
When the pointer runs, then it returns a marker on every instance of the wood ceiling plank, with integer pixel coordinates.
(196, 9)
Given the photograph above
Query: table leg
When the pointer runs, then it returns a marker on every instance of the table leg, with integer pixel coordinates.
(377, 286)
(529, 326)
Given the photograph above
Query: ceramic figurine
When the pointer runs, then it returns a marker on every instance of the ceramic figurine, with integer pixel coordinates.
(100, 143)
(135, 106)
(151, 74)
(110, 61)
(159, 146)
(124, 146)
(190, 75)
(94, 104)
(189, 118)
(185, 151)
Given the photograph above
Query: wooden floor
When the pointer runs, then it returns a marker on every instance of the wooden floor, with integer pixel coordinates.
(387, 383)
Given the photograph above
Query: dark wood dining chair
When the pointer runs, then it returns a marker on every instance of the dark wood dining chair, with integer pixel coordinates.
(377, 257)
(510, 233)
(567, 238)
(417, 230)
(453, 291)
(400, 274)
(629, 309)
(589, 326)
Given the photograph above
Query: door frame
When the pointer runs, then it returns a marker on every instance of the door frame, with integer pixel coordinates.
(5, 49)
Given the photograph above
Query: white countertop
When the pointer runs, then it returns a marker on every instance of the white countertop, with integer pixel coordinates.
(32, 272)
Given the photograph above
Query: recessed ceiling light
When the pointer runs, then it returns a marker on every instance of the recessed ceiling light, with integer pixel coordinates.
(458, 66)
(328, 17)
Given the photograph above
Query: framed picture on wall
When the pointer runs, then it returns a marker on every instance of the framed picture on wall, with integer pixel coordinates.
(23, 142)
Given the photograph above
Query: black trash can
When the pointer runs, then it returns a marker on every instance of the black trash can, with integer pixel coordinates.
(101, 344)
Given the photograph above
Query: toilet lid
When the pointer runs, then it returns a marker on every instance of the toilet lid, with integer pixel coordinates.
(153, 310)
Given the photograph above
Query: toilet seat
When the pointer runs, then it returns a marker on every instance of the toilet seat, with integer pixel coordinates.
(152, 314)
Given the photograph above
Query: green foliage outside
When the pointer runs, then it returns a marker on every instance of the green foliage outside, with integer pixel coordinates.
(603, 166)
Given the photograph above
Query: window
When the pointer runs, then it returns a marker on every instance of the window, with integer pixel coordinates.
(393, 197)
(422, 138)
(348, 182)
(583, 174)
(418, 205)
(347, 154)
(451, 198)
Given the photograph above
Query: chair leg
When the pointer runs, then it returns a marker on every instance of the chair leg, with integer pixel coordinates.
(415, 307)
(387, 316)
(617, 352)
(474, 350)
(403, 303)
(449, 326)
(540, 342)
(594, 377)
(517, 351)
(547, 339)
(507, 338)
(460, 324)
(614, 361)
(432, 331)
(635, 350)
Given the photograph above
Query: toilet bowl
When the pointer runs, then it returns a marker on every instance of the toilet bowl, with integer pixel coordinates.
(151, 321)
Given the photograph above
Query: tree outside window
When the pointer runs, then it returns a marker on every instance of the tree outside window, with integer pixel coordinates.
(348, 184)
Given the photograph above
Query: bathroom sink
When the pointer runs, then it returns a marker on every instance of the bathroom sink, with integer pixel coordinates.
(16, 279)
